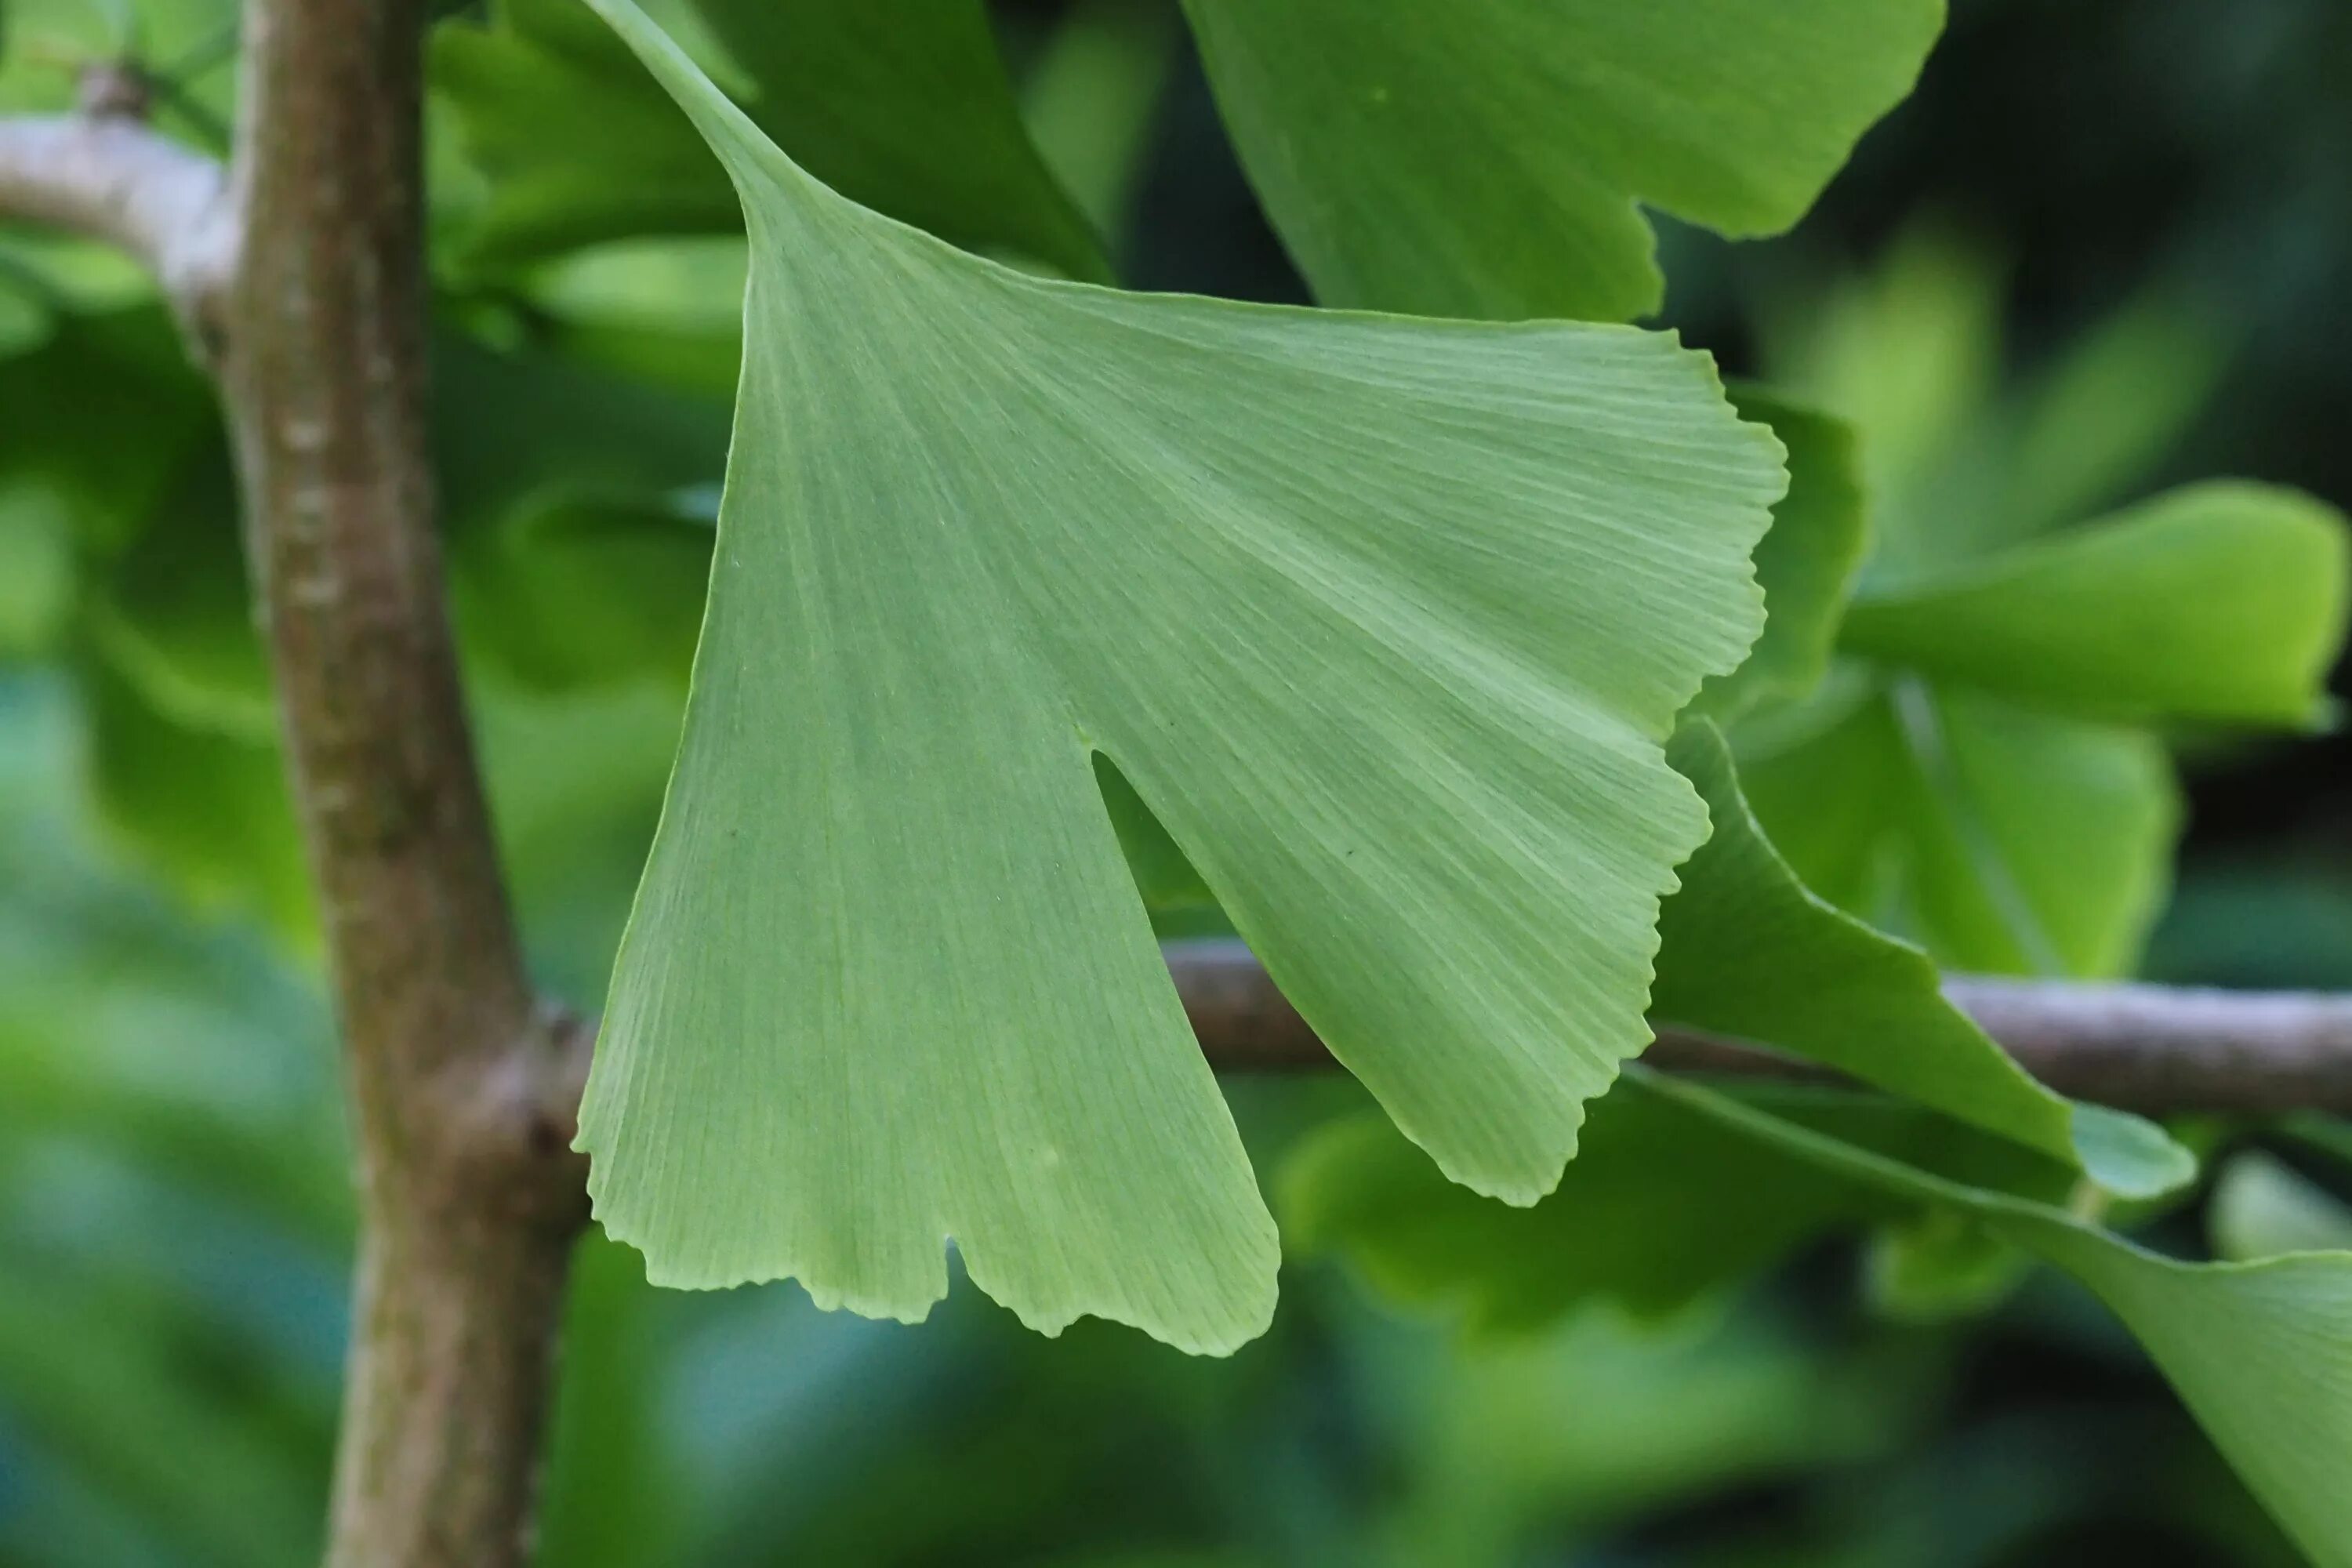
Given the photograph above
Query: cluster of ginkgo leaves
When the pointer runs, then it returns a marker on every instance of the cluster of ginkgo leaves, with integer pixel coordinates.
(1436, 642)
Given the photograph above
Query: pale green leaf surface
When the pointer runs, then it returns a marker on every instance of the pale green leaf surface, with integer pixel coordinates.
(2262, 1207)
(1385, 621)
(2221, 602)
(2001, 839)
(902, 105)
(1803, 565)
(1806, 562)
(2261, 1352)
(1748, 951)
(1493, 160)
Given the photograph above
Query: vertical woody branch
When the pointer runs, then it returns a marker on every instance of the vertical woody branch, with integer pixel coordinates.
(459, 1086)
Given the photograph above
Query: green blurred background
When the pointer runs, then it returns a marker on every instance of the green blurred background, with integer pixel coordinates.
(2108, 246)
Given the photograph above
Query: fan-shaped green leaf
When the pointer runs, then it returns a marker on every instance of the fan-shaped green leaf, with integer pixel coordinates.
(2261, 1352)
(1748, 951)
(1806, 562)
(1491, 160)
(1385, 620)
(2221, 602)
(1999, 839)
(2262, 1207)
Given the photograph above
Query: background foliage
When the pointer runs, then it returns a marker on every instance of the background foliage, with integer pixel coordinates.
(2133, 276)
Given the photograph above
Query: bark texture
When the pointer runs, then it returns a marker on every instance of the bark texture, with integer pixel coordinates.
(460, 1086)
(107, 176)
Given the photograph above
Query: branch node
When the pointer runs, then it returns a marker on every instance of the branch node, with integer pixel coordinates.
(114, 89)
(103, 175)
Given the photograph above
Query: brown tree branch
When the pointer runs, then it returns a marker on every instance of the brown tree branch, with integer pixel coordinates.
(2153, 1048)
(302, 278)
(105, 177)
(470, 1200)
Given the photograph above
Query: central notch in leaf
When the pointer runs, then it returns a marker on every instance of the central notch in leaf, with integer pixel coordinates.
(1385, 619)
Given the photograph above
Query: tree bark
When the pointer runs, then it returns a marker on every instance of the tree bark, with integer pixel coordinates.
(2159, 1049)
(460, 1087)
(110, 178)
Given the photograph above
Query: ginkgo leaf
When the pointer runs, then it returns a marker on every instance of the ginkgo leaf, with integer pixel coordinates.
(901, 104)
(1806, 560)
(2262, 1207)
(1748, 951)
(1805, 563)
(1495, 163)
(2221, 602)
(1384, 620)
(2261, 1352)
(1999, 839)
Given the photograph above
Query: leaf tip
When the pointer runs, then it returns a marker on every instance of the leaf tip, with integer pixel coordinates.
(2129, 1155)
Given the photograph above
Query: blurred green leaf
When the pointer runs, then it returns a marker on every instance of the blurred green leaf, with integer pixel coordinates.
(1495, 163)
(668, 312)
(1806, 562)
(589, 592)
(103, 1392)
(37, 571)
(2001, 839)
(2221, 603)
(1030, 552)
(1092, 98)
(2262, 1207)
(204, 807)
(1909, 353)
(1746, 951)
(2262, 1353)
(2110, 407)
(1940, 786)
(1554, 1447)
(2331, 1135)
(174, 612)
(615, 1499)
(524, 430)
(43, 41)
(1938, 1265)
(902, 106)
(103, 412)
(1645, 1169)
(575, 782)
